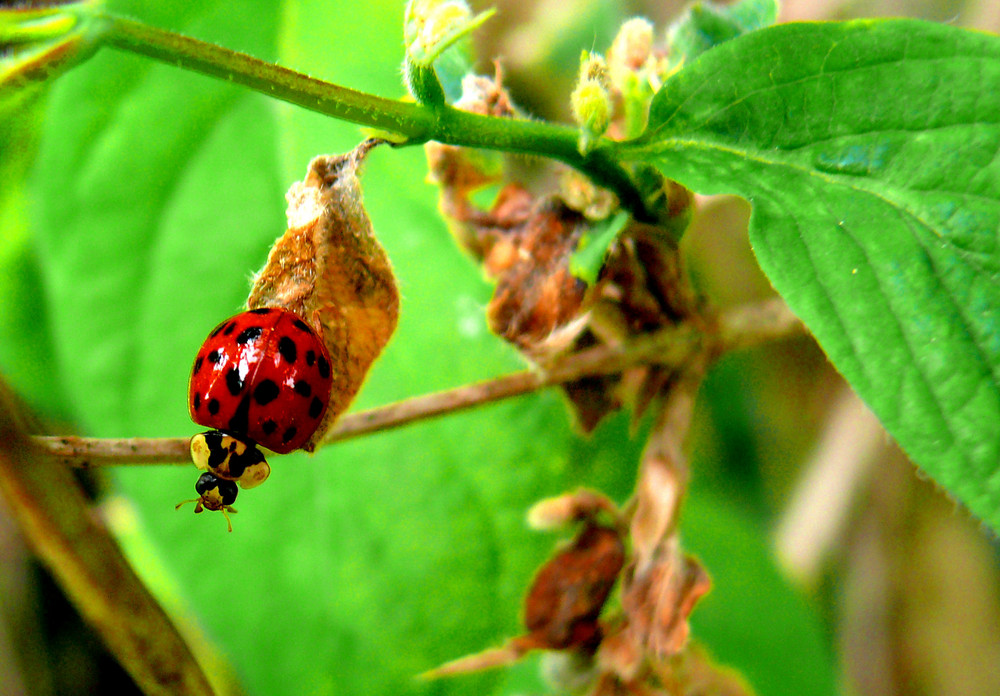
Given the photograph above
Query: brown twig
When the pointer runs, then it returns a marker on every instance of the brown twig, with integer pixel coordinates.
(742, 327)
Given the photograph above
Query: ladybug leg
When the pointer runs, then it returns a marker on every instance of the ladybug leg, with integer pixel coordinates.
(225, 513)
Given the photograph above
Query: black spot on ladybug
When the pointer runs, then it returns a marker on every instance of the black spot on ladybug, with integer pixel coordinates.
(315, 408)
(288, 434)
(230, 328)
(197, 365)
(324, 368)
(196, 401)
(262, 310)
(265, 392)
(240, 421)
(302, 326)
(310, 357)
(234, 381)
(286, 347)
(215, 356)
(249, 334)
(213, 406)
(303, 388)
(268, 426)
(218, 329)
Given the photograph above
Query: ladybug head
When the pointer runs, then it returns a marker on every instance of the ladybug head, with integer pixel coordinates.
(214, 494)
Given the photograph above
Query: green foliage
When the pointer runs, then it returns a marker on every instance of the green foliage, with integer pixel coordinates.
(158, 192)
(867, 150)
(586, 261)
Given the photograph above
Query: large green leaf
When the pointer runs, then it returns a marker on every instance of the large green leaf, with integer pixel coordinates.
(868, 151)
(158, 193)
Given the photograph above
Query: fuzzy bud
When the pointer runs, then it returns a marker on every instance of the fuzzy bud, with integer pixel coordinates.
(591, 100)
(631, 49)
(432, 26)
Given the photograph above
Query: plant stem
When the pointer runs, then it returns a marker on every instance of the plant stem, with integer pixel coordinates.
(415, 122)
(409, 120)
(676, 346)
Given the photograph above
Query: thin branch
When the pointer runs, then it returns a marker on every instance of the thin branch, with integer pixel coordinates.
(743, 327)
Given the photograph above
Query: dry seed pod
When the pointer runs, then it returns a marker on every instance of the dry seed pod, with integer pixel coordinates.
(330, 269)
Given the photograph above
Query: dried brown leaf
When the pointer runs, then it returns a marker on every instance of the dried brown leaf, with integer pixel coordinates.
(331, 270)
(658, 602)
(568, 593)
(582, 505)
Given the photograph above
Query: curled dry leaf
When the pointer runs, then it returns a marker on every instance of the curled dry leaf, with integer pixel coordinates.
(569, 591)
(330, 269)
(659, 601)
(579, 506)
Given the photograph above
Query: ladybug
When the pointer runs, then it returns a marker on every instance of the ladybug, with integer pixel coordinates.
(262, 377)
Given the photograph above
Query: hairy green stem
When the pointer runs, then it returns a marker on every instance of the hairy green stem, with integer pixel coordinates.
(417, 123)
(409, 120)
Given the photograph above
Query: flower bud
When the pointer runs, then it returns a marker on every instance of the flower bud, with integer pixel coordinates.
(630, 50)
(432, 26)
(591, 100)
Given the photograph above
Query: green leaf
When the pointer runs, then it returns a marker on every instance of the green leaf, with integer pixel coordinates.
(707, 24)
(25, 342)
(867, 150)
(587, 260)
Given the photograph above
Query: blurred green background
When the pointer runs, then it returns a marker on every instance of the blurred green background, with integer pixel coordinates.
(136, 200)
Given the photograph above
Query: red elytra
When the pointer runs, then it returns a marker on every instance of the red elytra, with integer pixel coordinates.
(263, 375)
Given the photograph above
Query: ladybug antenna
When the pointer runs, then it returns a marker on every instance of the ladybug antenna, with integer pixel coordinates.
(198, 507)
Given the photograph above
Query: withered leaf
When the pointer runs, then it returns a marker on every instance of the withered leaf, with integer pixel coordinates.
(331, 270)
(566, 598)
(658, 601)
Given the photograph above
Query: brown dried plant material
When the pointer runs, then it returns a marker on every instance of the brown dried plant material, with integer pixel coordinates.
(569, 591)
(582, 505)
(330, 269)
(691, 672)
(662, 584)
(538, 304)
(526, 241)
(659, 601)
(563, 605)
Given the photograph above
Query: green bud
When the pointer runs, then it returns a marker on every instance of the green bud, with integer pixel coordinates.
(591, 100)
(631, 49)
(432, 26)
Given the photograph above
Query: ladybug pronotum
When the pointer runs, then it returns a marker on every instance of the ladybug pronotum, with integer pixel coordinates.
(262, 377)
